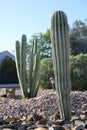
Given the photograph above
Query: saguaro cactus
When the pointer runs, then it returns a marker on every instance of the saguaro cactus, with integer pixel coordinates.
(21, 65)
(60, 56)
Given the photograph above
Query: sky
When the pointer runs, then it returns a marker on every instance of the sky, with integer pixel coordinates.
(18, 17)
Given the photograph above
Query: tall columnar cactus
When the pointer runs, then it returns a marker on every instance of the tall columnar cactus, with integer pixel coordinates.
(60, 56)
(21, 65)
(33, 75)
(30, 90)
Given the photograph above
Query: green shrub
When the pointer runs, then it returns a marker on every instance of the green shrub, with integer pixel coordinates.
(79, 72)
(46, 71)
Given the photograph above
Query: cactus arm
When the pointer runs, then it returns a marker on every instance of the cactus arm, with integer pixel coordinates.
(17, 55)
(18, 58)
(36, 64)
(30, 69)
(23, 66)
(35, 81)
(34, 61)
(35, 46)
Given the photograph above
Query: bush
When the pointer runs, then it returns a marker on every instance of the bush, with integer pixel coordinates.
(46, 71)
(79, 72)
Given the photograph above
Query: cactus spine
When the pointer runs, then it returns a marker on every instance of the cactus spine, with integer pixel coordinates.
(60, 56)
(21, 65)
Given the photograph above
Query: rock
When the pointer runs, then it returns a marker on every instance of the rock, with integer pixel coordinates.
(85, 114)
(68, 125)
(3, 91)
(51, 128)
(37, 117)
(7, 92)
(53, 112)
(49, 123)
(78, 122)
(11, 119)
(84, 107)
(74, 118)
(58, 122)
(40, 128)
(11, 93)
(73, 112)
(80, 127)
(1, 120)
(59, 128)
(7, 129)
(24, 118)
(55, 116)
(82, 117)
(86, 126)
(43, 121)
(22, 127)
(78, 113)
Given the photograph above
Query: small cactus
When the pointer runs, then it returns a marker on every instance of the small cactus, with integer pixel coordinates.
(60, 56)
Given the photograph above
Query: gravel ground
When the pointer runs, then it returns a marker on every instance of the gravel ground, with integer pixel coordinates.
(45, 102)
(20, 114)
